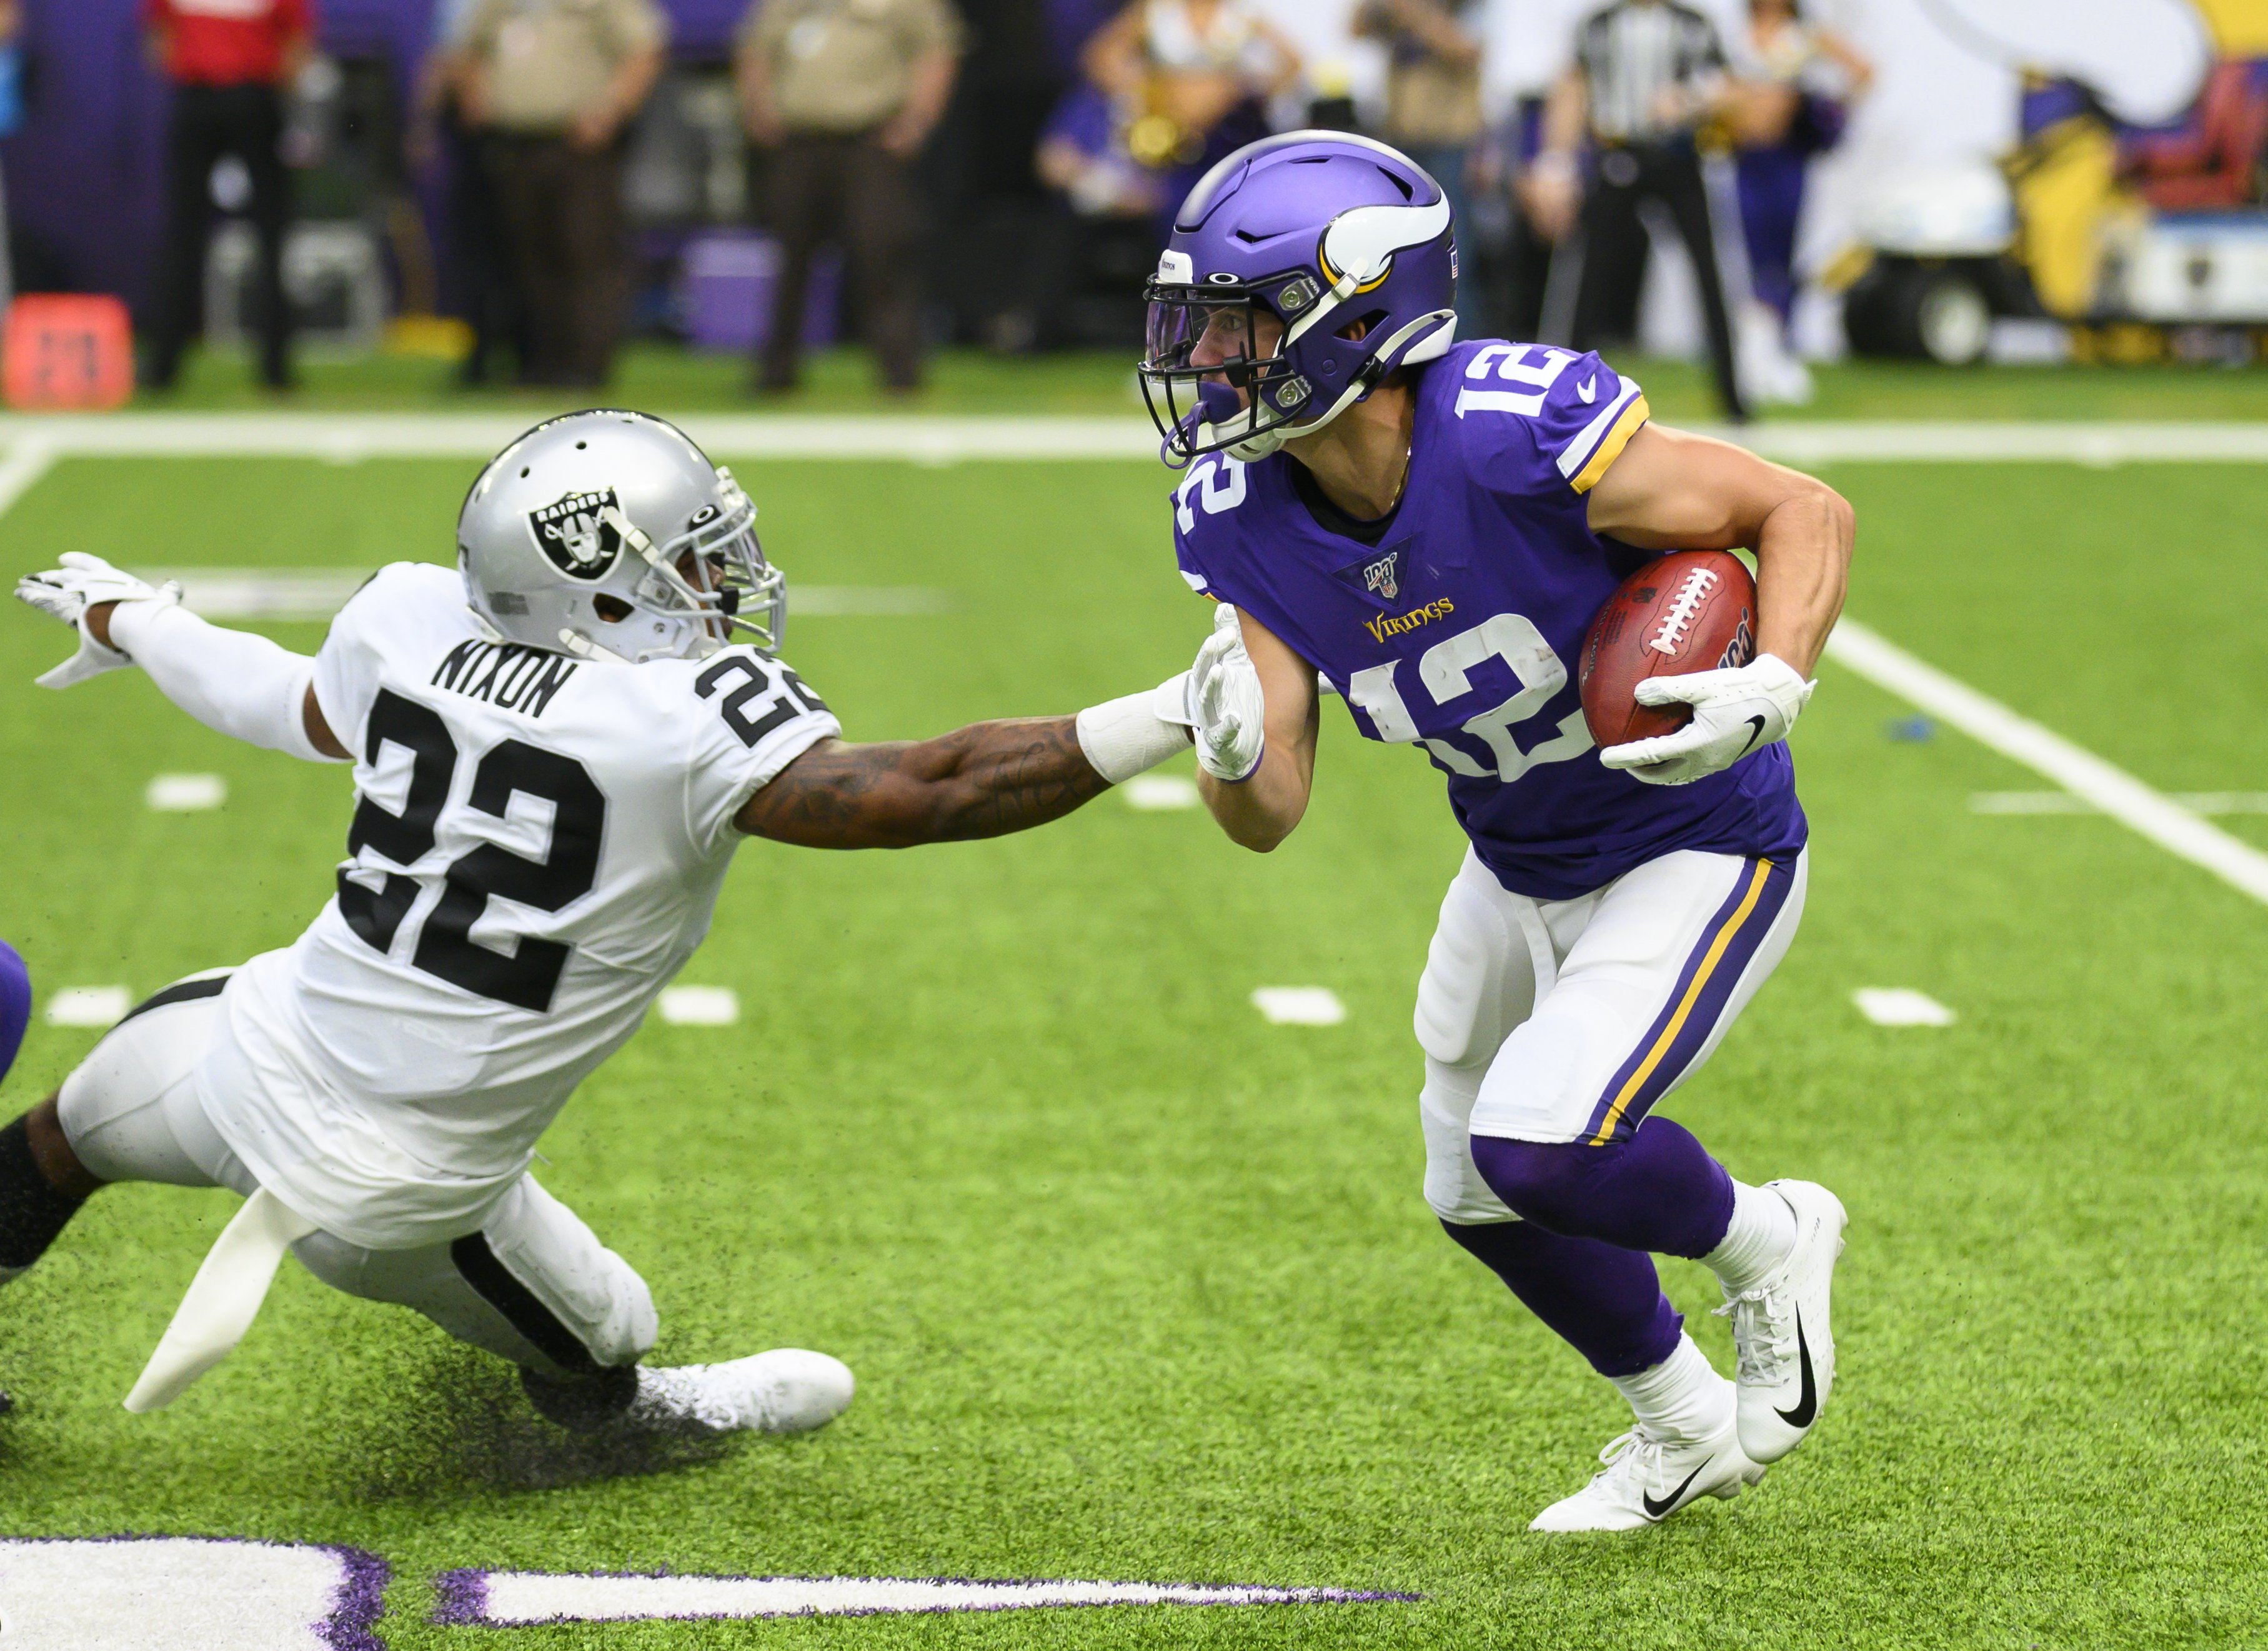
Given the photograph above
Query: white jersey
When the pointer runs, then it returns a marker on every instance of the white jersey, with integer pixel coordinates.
(537, 848)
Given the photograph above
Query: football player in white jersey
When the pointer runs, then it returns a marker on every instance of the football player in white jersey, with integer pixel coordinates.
(557, 750)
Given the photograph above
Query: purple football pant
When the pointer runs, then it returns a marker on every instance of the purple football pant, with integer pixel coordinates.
(1551, 1029)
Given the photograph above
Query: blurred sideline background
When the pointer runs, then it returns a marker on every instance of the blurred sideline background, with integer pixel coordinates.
(2024, 183)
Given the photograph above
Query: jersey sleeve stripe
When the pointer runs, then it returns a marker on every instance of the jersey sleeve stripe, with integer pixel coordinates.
(1611, 448)
(1576, 456)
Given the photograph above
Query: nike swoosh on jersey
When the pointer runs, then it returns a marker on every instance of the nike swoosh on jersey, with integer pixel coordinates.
(1588, 389)
(1806, 1403)
(1655, 1510)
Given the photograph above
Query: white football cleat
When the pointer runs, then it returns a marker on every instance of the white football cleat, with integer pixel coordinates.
(1782, 1335)
(787, 1390)
(1647, 1480)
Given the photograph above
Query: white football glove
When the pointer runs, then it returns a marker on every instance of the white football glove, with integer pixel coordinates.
(66, 592)
(1227, 711)
(1735, 712)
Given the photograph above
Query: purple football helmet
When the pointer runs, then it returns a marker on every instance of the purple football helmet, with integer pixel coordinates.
(1313, 236)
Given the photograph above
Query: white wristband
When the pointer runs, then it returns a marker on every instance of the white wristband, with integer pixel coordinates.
(1129, 736)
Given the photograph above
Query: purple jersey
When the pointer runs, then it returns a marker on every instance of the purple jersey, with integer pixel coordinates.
(1460, 628)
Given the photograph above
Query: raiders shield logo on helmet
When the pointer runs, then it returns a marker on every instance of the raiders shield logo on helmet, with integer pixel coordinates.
(576, 536)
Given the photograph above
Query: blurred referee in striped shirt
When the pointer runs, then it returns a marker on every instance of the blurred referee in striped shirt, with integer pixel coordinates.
(1647, 73)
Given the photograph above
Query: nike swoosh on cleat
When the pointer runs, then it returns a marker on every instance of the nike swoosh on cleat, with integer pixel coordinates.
(1806, 1404)
(1655, 1510)
(1755, 733)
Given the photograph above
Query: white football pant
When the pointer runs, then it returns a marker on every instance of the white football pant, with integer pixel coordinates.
(1567, 1020)
(534, 1284)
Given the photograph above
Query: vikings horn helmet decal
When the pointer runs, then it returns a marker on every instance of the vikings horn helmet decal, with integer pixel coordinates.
(1301, 271)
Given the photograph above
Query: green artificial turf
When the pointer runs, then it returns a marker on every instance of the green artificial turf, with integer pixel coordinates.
(1101, 382)
(1140, 1286)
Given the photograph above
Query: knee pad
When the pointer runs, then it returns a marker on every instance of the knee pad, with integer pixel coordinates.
(1454, 1190)
(1480, 976)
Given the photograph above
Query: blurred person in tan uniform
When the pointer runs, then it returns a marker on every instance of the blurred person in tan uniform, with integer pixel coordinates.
(553, 84)
(1434, 99)
(844, 94)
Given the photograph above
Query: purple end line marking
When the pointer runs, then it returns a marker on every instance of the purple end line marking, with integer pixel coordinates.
(352, 1625)
(462, 1597)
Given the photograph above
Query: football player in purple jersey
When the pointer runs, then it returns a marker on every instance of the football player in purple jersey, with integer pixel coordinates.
(1426, 528)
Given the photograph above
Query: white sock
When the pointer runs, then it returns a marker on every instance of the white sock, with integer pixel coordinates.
(1682, 1398)
(1762, 1234)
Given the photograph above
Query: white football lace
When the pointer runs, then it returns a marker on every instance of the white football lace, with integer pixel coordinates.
(1764, 1333)
(1636, 1452)
(1683, 607)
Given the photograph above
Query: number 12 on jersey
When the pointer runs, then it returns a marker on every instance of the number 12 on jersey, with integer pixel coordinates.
(1445, 673)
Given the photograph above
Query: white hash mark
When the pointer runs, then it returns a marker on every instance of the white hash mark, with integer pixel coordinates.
(1299, 1005)
(1900, 1006)
(185, 793)
(100, 1007)
(700, 1006)
(1156, 793)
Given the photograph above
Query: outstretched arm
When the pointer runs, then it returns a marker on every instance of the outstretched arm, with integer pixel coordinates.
(982, 781)
(232, 681)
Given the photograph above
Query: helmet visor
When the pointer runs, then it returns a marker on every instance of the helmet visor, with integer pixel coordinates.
(1212, 374)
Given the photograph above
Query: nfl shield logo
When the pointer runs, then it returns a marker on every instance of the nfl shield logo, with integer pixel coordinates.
(574, 533)
(1379, 576)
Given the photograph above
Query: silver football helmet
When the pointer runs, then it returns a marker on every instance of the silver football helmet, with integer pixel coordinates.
(610, 535)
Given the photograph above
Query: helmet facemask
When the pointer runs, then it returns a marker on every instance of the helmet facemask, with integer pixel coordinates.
(730, 587)
(1247, 393)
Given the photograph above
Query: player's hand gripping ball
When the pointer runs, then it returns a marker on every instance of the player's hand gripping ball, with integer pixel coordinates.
(1673, 688)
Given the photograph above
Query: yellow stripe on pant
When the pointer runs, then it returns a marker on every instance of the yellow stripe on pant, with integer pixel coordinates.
(1661, 1044)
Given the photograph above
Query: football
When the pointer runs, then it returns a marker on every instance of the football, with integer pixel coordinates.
(1691, 610)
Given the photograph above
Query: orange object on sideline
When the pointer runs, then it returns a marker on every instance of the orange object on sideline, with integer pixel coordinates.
(67, 350)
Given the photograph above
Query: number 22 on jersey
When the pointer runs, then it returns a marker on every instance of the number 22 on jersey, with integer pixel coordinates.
(446, 949)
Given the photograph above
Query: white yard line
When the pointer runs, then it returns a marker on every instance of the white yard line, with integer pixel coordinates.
(28, 460)
(316, 594)
(347, 437)
(2202, 803)
(2079, 771)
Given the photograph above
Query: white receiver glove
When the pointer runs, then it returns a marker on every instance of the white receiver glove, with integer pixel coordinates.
(1735, 712)
(1227, 711)
(66, 592)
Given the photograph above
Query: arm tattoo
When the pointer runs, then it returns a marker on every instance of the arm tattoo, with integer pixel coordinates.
(985, 780)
